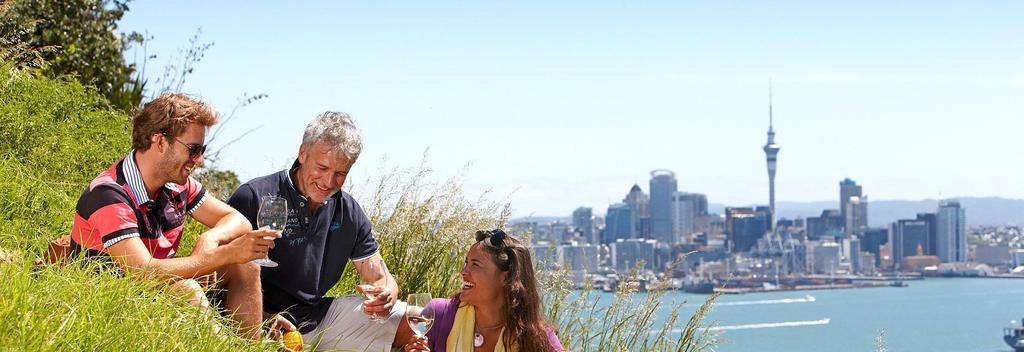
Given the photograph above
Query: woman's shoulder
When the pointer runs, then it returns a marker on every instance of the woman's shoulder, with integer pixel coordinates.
(553, 338)
(441, 306)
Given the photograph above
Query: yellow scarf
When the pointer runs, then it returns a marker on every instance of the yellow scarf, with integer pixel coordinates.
(460, 339)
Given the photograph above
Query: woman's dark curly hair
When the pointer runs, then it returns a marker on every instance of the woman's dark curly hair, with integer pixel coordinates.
(524, 322)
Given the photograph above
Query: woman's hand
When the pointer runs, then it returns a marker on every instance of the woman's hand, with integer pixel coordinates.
(416, 344)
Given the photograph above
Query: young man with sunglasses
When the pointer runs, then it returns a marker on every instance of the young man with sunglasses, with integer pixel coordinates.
(134, 212)
(326, 229)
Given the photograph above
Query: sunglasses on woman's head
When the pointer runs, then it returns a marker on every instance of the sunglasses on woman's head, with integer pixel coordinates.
(496, 236)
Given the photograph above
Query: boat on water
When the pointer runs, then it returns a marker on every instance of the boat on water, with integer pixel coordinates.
(1013, 335)
(702, 286)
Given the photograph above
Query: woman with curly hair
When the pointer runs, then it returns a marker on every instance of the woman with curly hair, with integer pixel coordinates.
(498, 307)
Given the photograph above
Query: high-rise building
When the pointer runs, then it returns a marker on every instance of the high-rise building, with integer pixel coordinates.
(560, 232)
(580, 257)
(951, 233)
(687, 208)
(771, 152)
(856, 216)
(829, 224)
(797, 260)
(545, 255)
(930, 218)
(852, 252)
(848, 189)
(640, 214)
(1016, 257)
(908, 235)
(744, 226)
(627, 253)
(663, 186)
(618, 223)
(826, 257)
(583, 220)
(867, 262)
(872, 242)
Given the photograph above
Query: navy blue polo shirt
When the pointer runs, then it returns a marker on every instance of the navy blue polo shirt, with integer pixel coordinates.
(313, 250)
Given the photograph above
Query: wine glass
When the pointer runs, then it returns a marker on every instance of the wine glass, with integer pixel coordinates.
(419, 316)
(369, 286)
(274, 215)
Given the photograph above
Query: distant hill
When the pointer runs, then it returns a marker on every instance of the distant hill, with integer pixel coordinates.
(985, 211)
(541, 219)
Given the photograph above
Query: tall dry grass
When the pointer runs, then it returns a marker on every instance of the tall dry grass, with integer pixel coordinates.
(425, 228)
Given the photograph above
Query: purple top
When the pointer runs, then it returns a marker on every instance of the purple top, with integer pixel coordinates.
(444, 318)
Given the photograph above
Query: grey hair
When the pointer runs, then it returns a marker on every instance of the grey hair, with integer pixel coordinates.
(335, 128)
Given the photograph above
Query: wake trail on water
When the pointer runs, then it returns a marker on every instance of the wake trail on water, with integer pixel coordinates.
(805, 299)
(772, 325)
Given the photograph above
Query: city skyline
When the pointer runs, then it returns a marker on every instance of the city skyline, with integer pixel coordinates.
(568, 105)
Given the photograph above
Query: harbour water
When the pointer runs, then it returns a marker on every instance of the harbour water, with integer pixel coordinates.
(935, 314)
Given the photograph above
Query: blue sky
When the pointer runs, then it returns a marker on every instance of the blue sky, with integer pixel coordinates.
(568, 104)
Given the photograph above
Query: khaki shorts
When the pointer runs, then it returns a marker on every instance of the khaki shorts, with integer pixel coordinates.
(347, 328)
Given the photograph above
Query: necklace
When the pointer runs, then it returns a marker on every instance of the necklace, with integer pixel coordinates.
(478, 336)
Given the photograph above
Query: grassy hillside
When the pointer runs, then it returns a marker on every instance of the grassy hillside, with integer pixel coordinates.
(56, 136)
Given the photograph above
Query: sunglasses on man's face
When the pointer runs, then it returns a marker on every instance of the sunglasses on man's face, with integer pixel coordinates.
(194, 149)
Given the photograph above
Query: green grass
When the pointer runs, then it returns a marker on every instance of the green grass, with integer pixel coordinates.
(75, 309)
(56, 136)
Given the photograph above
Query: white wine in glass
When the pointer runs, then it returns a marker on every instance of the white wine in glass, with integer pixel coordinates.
(370, 288)
(274, 215)
(419, 316)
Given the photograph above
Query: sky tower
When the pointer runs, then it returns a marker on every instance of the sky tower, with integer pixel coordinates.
(771, 150)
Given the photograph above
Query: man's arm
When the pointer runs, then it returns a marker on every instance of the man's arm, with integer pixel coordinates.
(381, 277)
(229, 241)
(225, 224)
(132, 255)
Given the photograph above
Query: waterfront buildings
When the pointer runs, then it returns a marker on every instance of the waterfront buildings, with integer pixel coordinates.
(994, 255)
(907, 236)
(1017, 257)
(826, 257)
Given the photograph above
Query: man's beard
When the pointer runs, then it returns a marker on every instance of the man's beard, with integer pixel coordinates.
(171, 169)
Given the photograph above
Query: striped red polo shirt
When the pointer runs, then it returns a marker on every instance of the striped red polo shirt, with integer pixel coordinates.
(116, 206)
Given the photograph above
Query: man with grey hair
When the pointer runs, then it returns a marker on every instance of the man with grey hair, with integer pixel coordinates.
(325, 230)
